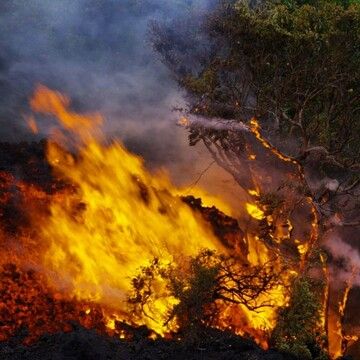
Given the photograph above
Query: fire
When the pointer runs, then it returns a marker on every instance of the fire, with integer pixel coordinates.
(303, 249)
(183, 121)
(119, 218)
(254, 211)
(254, 193)
(325, 304)
(113, 217)
(338, 340)
(32, 125)
(255, 129)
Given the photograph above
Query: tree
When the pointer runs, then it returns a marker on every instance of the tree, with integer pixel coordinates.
(288, 71)
(292, 64)
(203, 286)
(297, 329)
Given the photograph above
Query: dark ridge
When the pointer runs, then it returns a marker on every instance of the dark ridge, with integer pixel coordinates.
(83, 344)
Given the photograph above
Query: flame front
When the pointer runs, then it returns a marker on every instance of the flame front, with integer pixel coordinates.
(113, 217)
(118, 219)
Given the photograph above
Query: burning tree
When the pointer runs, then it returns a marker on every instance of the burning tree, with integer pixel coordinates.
(102, 203)
(272, 108)
(294, 66)
(285, 75)
(203, 288)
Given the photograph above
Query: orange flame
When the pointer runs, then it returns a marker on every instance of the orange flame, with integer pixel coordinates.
(32, 124)
(119, 218)
(115, 217)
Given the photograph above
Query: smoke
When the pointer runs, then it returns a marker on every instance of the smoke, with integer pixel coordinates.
(99, 54)
(96, 52)
(192, 121)
(348, 259)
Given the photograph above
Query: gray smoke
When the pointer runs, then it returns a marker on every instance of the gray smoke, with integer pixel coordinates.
(97, 52)
(194, 121)
(348, 257)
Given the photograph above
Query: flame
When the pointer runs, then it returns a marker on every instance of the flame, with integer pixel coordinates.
(326, 292)
(54, 103)
(254, 211)
(183, 121)
(343, 302)
(254, 193)
(303, 249)
(337, 345)
(255, 129)
(32, 124)
(119, 219)
(116, 217)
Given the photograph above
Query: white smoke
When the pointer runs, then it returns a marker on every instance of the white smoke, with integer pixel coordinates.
(193, 121)
(349, 258)
(97, 52)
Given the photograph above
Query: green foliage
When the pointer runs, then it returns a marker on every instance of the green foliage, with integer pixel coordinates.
(298, 330)
(202, 287)
(195, 292)
(294, 64)
(305, 60)
(293, 3)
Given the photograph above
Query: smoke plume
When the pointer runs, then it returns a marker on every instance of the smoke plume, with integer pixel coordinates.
(347, 257)
(97, 52)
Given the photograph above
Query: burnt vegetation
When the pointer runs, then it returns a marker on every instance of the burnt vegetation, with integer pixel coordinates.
(201, 282)
(203, 286)
(294, 66)
(289, 71)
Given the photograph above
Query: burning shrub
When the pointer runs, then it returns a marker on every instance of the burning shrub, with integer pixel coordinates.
(203, 288)
(297, 330)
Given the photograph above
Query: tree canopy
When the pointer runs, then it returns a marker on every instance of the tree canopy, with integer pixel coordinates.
(294, 64)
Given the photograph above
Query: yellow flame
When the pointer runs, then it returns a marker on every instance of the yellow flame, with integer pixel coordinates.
(254, 211)
(254, 193)
(120, 218)
(303, 248)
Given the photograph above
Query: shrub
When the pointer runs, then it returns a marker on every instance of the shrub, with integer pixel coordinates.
(298, 329)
